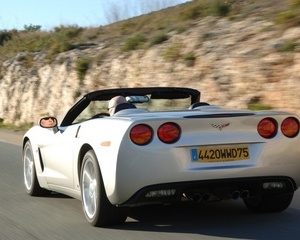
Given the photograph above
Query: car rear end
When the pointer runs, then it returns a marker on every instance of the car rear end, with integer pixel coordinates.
(206, 156)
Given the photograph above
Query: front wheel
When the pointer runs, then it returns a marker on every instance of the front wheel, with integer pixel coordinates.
(269, 203)
(96, 206)
(31, 183)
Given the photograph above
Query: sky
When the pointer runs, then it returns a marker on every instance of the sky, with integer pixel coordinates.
(15, 14)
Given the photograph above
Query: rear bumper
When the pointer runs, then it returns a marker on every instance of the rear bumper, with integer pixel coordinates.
(138, 170)
(213, 190)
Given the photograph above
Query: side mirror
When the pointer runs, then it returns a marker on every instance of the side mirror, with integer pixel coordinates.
(48, 122)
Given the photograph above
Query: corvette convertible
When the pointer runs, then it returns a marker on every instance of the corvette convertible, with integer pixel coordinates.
(162, 146)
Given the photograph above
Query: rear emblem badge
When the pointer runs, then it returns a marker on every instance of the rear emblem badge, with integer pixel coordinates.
(220, 127)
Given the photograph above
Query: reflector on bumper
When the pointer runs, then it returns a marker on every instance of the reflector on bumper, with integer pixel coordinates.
(274, 185)
(161, 193)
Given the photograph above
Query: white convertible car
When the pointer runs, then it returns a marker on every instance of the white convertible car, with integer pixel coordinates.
(162, 146)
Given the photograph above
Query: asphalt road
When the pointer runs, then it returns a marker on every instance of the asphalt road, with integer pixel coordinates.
(60, 217)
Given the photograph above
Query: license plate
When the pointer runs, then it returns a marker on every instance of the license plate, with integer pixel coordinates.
(221, 153)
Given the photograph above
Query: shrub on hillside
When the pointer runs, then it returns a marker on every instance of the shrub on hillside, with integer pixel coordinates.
(82, 66)
(189, 59)
(291, 17)
(157, 39)
(134, 42)
(172, 52)
(5, 36)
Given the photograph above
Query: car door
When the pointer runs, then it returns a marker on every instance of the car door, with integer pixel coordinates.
(58, 157)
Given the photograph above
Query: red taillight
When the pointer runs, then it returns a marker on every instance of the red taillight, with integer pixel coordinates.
(267, 127)
(169, 132)
(141, 134)
(290, 127)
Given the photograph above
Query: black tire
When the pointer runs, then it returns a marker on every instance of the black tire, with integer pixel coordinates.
(31, 183)
(269, 203)
(97, 209)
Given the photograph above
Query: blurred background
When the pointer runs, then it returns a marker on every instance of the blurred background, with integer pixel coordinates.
(241, 54)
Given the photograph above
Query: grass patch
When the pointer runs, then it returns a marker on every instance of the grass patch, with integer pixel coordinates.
(172, 52)
(291, 16)
(22, 127)
(189, 59)
(134, 42)
(159, 38)
(82, 66)
(289, 46)
(259, 107)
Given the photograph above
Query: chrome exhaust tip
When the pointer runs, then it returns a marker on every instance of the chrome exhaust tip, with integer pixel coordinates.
(235, 195)
(245, 194)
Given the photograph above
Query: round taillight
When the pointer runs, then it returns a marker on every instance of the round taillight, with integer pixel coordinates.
(141, 134)
(267, 127)
(290, 127)
(169, 132)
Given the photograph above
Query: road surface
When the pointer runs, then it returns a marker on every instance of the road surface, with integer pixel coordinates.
(60, 217)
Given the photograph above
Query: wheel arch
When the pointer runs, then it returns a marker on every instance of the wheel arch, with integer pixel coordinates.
(25, 141)
(42, 185)
(37, 157)
(84, 149)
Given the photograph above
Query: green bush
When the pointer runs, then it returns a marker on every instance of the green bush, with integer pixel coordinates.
(127, 27)
(82, 66)
(32, 28)
(68, 31)
(21, 41)
(60, 46)
(287, 18)
(180, 29)
(27, 60)
(218, 8)
(288, 46)
(193, 12)
(157, 39)
(134, 43)
(294, 4)
(5, 36)
(189, 59)
(172, 52)
(207, 8)
(290, 17)
(62, 39)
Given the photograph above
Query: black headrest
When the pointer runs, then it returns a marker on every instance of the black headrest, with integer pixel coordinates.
(122, 106)
(198, 104)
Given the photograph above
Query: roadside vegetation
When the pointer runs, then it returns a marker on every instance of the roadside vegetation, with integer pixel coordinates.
(13, 127)
(146, 30)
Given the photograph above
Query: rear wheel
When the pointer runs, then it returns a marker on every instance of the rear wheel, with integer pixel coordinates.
(96, 206)
(269, 203)
(31, 183)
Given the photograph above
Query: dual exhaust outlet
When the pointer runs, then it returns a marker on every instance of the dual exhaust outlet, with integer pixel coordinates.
(238, 194)
(205, 197)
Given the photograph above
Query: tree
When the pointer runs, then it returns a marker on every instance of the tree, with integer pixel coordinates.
(4, 37)
(32, 28)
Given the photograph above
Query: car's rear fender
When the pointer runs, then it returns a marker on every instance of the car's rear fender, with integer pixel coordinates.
(105, 142)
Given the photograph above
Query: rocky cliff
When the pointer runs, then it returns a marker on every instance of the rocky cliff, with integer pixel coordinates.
(233, 63)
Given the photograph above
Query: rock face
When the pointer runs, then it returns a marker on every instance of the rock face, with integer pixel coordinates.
(233, 64)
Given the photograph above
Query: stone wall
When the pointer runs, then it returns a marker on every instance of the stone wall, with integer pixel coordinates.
(236, 63)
